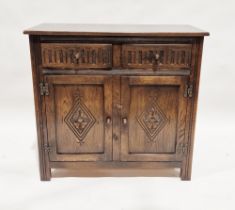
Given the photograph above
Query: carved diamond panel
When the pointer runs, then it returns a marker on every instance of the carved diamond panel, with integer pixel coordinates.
(152, 120)
(80, 120)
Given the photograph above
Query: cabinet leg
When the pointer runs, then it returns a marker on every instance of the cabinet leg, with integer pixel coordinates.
(185, 173)
(45, 170)
(185, 178)
(45, 173)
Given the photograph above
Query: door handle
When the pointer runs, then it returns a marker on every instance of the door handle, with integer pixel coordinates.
(124, 120)
(108, 120)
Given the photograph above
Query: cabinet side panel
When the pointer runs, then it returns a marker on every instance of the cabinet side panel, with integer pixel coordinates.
(192, 110)
(45, 172)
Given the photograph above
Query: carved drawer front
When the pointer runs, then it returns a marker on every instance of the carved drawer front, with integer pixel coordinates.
(157, 56)
(83, 56)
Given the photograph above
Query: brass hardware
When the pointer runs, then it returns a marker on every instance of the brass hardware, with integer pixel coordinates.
(108, 120)
(44, 89)
(182, 149)
(156, 62)
(157, 56)
(47, 148)
(124, 120)
(77, 56)
(188, 91)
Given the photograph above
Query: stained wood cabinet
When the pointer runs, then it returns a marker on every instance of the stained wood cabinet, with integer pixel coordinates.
(79, 112)
(108, 97)
(153, 118)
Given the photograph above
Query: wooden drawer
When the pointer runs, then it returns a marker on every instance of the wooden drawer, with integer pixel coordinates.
(76, 56)
(169, 56)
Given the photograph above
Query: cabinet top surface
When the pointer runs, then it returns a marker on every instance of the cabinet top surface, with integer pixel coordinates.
(115, 30)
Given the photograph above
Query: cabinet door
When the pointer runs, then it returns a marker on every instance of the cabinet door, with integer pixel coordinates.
(79, 118)
(153, 118)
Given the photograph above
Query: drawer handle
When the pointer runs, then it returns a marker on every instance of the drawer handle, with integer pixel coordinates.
(77, 56)
(124, 120)
(157, 56)
(156, 62)
(108, 120)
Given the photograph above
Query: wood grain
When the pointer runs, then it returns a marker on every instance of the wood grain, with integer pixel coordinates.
(82, 55)
(137, 115)
(192, 111)
(117, 107)
(171, 56)
(145, 101)
(45, 171)
(116, 30)
(96, 100)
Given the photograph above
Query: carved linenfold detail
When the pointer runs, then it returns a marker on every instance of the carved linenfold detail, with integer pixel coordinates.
(182, 56)
(79, 119)
(140, 57)
(143, 56)
(61, 56)
(152, 119)
(49, 56)
(55, 56)
(93, 56)
(129, 57)
(162, 56)
(90, 56)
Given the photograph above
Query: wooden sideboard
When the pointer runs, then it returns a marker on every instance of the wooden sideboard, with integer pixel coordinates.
(115, 96)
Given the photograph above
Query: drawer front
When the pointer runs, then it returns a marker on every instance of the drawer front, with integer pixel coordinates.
(81, 56)
(170, 56)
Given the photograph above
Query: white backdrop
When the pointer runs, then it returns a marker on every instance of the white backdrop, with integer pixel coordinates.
(212, 186)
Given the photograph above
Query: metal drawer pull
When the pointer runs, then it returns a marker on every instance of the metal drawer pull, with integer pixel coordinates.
(108, 120)
(156, 62)
(124, 120)
(77, 56)
(157, 56)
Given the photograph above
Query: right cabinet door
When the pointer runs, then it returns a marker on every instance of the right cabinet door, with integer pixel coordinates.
(153, 118)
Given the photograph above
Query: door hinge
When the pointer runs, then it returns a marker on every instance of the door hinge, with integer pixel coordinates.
(188, 93)
(47, 148)
(44, 89)
(182, 149)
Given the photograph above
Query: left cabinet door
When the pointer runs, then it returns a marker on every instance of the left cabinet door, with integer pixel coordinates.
(79, 117)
